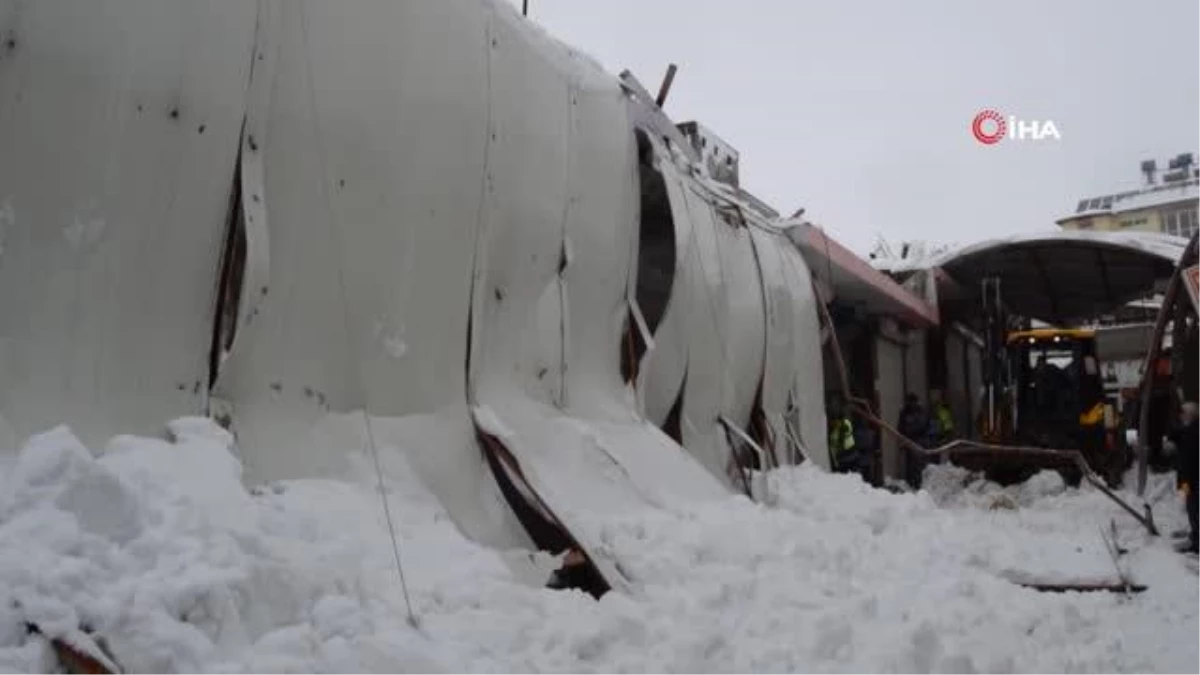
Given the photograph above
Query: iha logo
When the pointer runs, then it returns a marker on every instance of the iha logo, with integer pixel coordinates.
(990, 127)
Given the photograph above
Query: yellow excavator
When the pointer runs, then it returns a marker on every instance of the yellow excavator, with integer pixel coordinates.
(1049, 393)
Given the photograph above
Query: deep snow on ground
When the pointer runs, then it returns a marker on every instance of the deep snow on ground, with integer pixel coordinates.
(156, 546)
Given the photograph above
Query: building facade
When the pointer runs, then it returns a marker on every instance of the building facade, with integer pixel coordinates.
(1168, 204)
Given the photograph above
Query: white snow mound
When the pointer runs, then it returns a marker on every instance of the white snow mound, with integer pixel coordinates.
(156, 547)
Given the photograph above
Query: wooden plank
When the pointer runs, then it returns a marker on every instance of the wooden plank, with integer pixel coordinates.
(1084, 587)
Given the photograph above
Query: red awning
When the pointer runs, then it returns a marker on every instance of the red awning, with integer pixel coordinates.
(853, 281)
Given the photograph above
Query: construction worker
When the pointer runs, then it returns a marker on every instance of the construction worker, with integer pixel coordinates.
(843, 450)
(941, 420)
(1185, 438)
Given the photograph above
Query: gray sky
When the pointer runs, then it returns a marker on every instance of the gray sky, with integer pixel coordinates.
(860, 110)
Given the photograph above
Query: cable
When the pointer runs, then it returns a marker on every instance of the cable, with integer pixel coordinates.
(329, 218)
(387, 514)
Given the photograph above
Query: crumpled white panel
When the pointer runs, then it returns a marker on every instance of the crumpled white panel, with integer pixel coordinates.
(808, 383)
(118, 132)
(373, 150)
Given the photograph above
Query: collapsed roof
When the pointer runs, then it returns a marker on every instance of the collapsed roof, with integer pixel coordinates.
(421, 226)
(1062, 277)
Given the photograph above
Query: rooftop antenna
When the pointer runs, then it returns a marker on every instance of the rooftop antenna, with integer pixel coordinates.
(666, 85)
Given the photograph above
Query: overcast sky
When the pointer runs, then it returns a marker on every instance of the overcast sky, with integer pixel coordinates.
(860, 110)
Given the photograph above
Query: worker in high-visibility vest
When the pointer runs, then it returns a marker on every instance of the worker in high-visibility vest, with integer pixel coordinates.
(940, 418)
(843, 450)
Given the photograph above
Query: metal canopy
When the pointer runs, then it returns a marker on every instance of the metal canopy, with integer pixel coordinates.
(1068, 276)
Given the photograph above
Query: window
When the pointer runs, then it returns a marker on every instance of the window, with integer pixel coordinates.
(1181, 222)
(1058, 357)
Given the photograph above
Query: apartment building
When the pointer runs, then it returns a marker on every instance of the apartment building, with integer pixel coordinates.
(1167, 203)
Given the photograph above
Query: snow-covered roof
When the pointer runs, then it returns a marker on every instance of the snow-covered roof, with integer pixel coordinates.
(1068, 275)
(1166, 246)
(913, 255)
(1159, 195)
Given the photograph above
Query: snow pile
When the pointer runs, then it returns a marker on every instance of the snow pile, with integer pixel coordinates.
(953, 486)
(158, 548)
(155, 546)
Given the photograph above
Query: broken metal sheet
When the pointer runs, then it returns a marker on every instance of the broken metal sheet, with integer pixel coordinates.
(808, 375)
(546, 375)
(256, 274)
(779, 352)
(601, 231)
(374, 172)
(745, 321)
(119, 128)
(560, 218)
(439, 210)
(706, 335)
(663, 370)
(589, 471)
(740, 294)
(517, 326)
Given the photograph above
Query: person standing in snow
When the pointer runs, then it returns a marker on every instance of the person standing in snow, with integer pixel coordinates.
(1186, 447)
(941, 422)
(842, 448)
(914, 425)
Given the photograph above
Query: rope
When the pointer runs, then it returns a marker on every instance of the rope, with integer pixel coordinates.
(329, 219)
(387, 514)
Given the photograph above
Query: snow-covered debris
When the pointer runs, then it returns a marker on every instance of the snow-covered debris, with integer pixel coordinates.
(905, 256)
(156, 547)
(953, 486)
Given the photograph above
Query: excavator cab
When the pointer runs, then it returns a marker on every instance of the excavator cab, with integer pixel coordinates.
(1056, 395)
(1049, 394)
(1057, 385)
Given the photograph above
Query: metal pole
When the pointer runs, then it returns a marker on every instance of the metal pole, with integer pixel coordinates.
(666, 85)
